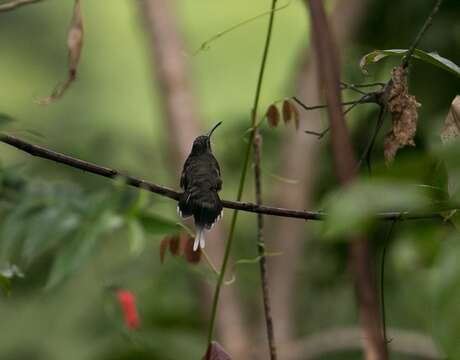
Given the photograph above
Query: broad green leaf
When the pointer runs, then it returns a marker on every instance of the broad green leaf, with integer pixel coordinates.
(5, 119)
(430, 58)
(45, 231)
(5, 284)
(157, 225)
(446, 295)
(78, 249)
(15, 225)
(136, 237)
(352, 209)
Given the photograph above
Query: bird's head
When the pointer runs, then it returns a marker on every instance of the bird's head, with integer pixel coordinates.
(202, 143)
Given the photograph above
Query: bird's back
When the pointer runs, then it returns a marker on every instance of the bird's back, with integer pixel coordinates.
(201, 181)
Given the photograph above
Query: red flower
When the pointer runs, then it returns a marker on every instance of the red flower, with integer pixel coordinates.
(127, 302)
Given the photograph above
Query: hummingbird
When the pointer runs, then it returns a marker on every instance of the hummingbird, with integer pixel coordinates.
(201, 182)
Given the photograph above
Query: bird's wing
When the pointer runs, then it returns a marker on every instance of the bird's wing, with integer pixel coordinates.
(183, 178)
(218, 178)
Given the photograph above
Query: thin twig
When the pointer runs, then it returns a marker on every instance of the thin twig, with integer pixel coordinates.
(86, 166)
(315, 107)
(261, 249)
(345, 86)
(423, 30)
(367, 98)
(244, 171)
(368, 150)
(205, 45)
(382, 281)
(15, 4)
(357, 87)
(381, 84)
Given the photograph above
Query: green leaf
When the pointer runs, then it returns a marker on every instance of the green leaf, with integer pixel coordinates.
(78, 249)
(5, 284)
(136, 237)
(157, 225)
(5, 119)
(353, 209)
(446, 292)
(46, 229)
(15, 225)
(430, 58)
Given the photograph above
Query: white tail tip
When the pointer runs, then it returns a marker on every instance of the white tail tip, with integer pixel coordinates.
(199, 239)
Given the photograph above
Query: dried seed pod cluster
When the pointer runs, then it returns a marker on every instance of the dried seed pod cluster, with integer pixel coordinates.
(403, 109)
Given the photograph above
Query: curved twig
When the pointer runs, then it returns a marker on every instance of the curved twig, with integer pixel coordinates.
(423, 30)
(15, 4)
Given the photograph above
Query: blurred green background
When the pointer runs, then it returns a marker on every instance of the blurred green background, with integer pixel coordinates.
(112, 116)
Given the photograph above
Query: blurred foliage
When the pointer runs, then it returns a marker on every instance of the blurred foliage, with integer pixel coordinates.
(76, 241)
(41, 218)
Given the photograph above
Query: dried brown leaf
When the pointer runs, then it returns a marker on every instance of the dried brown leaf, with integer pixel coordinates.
(273, 115)
(190, 255)
(164, 244)
(403, 109)
(451, 133)
(216, 352)
(174, 245)
(451, 129)
(75, 46)
(295, 115)
(287, 111)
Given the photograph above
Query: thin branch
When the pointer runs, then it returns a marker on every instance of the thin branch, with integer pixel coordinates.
(367, 98)
(261, 249)
(357, 87)
(374, 84)
(42, 152)
(182, 120)
(345, 168)
(423, 30)
(345, 86)
(366, 156)
(315, 107)
(382, 281)
(255, 106)
(206, 44)
(15, 4)
(86, 166)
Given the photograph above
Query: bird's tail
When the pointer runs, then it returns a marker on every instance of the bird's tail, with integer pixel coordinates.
(185, 205)
(199, 238)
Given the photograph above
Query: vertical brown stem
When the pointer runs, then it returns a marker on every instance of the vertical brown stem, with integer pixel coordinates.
(345, 166)
(286, 235)
(261, 249)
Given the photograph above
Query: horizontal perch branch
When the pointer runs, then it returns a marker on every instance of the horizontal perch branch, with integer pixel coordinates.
(45, 153)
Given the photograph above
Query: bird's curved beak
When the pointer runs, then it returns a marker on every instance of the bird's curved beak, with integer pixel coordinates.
(209, 133)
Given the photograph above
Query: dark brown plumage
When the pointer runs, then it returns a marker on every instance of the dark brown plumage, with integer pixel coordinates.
(201, 182)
